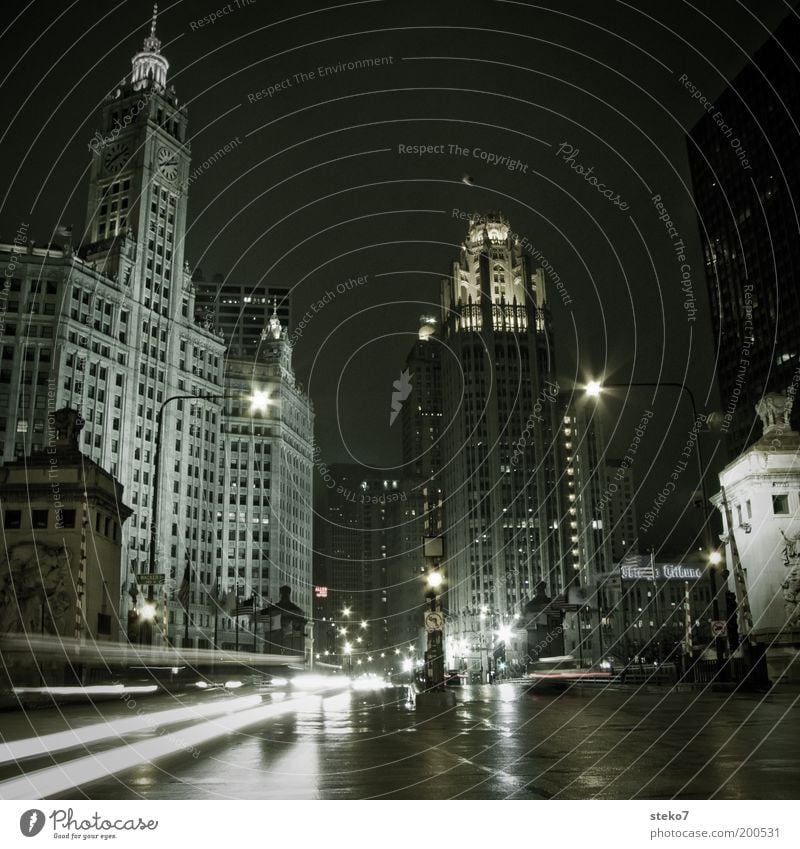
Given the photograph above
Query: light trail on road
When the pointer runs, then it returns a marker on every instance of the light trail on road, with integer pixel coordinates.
(232, 717)
(19, 750)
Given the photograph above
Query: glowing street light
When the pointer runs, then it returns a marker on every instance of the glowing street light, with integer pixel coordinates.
(715, 558)
(435, 580)
(148, 612)
(504, 633)
(346, 612)
(363, 624)
(594, 388)
(259, 401)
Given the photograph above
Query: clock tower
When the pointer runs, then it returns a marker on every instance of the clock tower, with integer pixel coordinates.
(138, 184)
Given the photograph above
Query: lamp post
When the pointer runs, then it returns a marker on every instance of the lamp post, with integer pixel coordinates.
(259, 401)
(594, 389)
(434, 626)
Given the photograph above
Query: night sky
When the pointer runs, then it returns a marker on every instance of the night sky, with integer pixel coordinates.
(316, 191)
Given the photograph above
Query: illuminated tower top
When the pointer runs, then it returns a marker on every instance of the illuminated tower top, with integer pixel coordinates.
(493, 283)
(150, 67)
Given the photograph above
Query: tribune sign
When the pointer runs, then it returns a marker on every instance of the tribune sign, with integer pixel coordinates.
(661, 572)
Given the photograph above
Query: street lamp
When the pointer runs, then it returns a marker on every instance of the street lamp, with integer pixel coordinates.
(435, 580)
(593, 389)
(258, 401)
(148, 612)
(504, 634)
(434, 626)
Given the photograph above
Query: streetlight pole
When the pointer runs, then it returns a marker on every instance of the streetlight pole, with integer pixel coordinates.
(434, 624)
(256, 402)
(594, 390)
(156, 488)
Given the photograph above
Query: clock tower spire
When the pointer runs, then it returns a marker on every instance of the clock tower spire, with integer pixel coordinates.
(149, 66)
(138, 184)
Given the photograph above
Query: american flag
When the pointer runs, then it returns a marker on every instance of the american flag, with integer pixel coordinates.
(213, 593)
(245, 608)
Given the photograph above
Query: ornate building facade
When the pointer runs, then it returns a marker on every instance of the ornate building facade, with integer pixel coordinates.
(759, 499)
(110, 328)
(503, 507)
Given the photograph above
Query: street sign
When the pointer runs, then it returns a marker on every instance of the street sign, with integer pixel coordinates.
(150, 579)
(717, 628)
(433, 621)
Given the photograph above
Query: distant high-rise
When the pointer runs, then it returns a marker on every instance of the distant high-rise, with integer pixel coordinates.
(240, 311)
(746, 175)
(622, 525)
(353, 547)
(587, 512)
(587, 502)
(420, 515)
(503, 505)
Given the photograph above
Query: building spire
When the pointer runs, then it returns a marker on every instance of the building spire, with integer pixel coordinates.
(151, 43)
(274, 328)
(149, 66)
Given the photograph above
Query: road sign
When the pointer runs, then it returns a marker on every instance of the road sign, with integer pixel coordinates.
(717, 628)
(433, 621)
(150, 579)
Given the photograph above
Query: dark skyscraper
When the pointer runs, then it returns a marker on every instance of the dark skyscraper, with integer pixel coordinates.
(240, 311)
(744, 156)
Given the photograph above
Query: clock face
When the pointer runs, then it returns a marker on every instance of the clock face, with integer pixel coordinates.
(167, 163)
(115, 157)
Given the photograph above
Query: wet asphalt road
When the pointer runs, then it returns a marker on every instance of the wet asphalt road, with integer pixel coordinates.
(498, 742)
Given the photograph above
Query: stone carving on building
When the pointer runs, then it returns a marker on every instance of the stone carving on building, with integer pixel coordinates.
(68, 426)
(34, 584)
(791, 586)
(774, 410)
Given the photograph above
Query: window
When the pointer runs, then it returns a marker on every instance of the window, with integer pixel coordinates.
(39, 519)
(67, 519)
(103, 624)
(780, 504)
(13, 520)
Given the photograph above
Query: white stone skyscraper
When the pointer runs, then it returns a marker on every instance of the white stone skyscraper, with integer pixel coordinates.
(500, 469)
(264, 502)
(108, 327)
